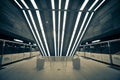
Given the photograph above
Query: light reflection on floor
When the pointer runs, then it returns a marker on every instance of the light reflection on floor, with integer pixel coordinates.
(59, 68)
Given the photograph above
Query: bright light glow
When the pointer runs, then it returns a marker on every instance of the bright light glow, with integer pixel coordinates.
(72, 52)
(34, 44)
(43, 33)
(54, 29)
(41, 25)
(29, 42)
(84, 4)
(31, 16)
(86, 43)
(99, 5)
(36, 30)
(33, 32)
(53, 4)
(34, 4)
(25, 4)
(75, 47)
(83, 25)
(93, 5)
(17, 40)
(81, 28)
(18, 4)
(95, 41)
(59, 15)
(63, 29)
(76, 25)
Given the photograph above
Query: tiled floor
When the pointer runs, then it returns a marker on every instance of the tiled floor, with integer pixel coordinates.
(59, 70)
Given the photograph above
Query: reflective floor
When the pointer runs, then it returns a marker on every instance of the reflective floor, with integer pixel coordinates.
(57, 68)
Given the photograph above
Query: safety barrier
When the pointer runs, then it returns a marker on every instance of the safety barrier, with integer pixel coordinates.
(9, 58)
(107, 51)
(11, 51)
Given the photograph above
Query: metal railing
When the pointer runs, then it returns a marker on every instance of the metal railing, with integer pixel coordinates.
(106, 51)
(13, 48)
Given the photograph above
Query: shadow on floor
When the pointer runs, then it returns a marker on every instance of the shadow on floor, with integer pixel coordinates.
(114, 67)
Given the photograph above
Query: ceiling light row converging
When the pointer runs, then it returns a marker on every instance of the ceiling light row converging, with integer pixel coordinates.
(58, 48)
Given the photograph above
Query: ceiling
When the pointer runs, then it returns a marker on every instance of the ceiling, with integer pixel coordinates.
(105, 24)
(57, 26)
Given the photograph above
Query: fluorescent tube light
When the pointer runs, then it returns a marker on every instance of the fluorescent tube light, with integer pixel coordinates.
(34, 4)
(30, 26)
(63, 29)
(84, 4)
(33, 32)
(25, 4)
(34, 25)
(81, 28)
(54, 28)
(87, 24)
(59, 15)
(95, 41)
(93, 5)
(17, 40)
(41, 25)
(76, 25)
(18, 4)
(53, 4)
(83, 24)
(99, 5)
(42, 30)
(36, 30)
(75, 47)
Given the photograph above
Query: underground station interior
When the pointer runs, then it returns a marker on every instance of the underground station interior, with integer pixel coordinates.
(59, 39)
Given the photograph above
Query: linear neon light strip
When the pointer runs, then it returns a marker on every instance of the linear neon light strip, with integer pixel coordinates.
(54, 29)
(59, 14)
(87, 26)
(76, 25)
(24, 4)
(30, 26)
(18, 4)
(99, 5)
(43, 33)
(93, 5)
(33, 32)
(83, 23)
(41, 25)
(95, 2)
(31, 16)
(84, 4)
(36, 30)
(83, 33)
(63, 29)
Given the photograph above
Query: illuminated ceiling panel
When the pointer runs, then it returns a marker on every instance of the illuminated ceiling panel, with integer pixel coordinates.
(58, 25)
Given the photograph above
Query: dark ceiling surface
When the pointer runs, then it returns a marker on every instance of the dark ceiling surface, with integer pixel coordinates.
(13, 22)
(105, 24)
